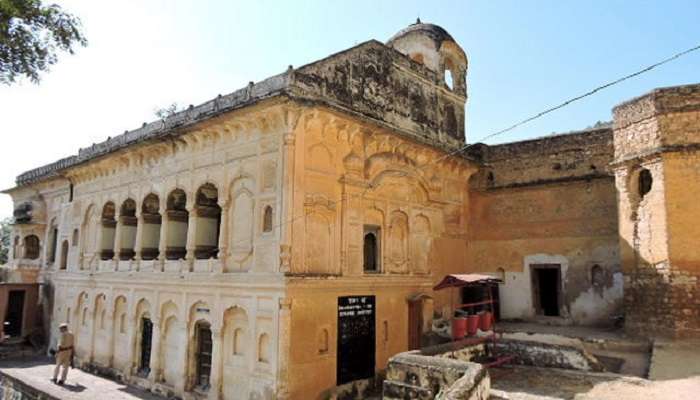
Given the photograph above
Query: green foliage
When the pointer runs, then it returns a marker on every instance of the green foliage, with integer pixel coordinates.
(31, 35)
(5, 242)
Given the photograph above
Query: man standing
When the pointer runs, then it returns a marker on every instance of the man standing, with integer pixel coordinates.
(64, 353)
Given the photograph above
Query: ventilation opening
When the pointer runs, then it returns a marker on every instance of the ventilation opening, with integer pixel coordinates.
(645, 182)
(449, 80)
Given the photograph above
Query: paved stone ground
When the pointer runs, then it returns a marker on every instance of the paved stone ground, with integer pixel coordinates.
(529, 383)
(675, 359)
(80, 385)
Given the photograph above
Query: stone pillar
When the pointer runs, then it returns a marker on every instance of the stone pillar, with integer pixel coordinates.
(163, 241)
(139, 238)
(132, 329)
(110, 338)
(117, 239)
(97, 251)
(223, 237)
(283, 340)
(287, 201)
(216, 363)
(154, 365)
(191, 236)
(182, 384)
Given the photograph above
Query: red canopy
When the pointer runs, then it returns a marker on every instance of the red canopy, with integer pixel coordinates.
(460, 280)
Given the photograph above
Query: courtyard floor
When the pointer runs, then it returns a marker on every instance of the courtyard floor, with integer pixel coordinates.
(80, 385)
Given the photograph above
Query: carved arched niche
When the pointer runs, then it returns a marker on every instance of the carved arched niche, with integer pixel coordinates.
(319, 236)
(397, 238)
(421, 243)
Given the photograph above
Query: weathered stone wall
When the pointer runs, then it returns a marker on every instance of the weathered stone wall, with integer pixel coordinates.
(379, 82)
(549, 200)
(349, 174)
(660, 133)
(414, 376)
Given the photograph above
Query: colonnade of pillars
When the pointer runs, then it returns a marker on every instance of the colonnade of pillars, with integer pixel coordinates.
(185, 230)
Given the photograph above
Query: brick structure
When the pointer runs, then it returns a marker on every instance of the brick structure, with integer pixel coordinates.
(657, 174)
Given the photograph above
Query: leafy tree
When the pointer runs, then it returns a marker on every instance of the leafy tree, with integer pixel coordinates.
(5, 242)
(165, 112)
(31, 35)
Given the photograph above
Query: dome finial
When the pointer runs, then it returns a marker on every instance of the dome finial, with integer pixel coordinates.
(418, 21)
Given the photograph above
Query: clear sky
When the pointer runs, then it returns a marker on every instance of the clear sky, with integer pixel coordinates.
(524, 56)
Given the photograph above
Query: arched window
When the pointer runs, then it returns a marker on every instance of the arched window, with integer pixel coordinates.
(150, 238)
(645, 182)
(178, 218)
(74, 240)
(449, 80)
(597, 276)
(83, 318)
(128, 221)
(371, 249)
(64, 255)
(31, 247)
(267, 219)
(103, 315)
(208, 222)
(108, 226)
(264, 348)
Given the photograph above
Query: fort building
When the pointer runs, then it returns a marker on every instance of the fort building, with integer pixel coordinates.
(284, 239)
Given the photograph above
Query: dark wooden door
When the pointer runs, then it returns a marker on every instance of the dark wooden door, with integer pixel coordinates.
(15, 313)
(146, 339)
(415, 323)
(204, 350)
(356, 338)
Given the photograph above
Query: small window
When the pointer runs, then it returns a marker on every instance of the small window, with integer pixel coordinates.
(371, 249)
(323, 341)
(645, 182)
(597, 276)
(449, 80)
(70, 193)
(83, 319)
(68, 316)
(264, 348)
(74, 239)
(267, 219)
(31, 247)
(64, 255)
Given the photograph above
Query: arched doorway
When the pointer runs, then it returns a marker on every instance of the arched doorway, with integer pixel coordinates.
(203, 354)
(145, 345)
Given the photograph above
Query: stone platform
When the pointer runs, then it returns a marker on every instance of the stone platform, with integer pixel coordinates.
(31, 379)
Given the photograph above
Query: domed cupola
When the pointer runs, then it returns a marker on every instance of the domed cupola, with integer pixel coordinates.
(434, 47)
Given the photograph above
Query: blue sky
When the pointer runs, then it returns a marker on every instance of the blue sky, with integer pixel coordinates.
(523, 58)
